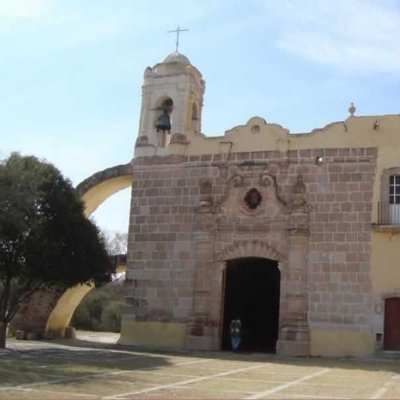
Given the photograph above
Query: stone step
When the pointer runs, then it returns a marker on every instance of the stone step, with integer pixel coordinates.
(390, 354)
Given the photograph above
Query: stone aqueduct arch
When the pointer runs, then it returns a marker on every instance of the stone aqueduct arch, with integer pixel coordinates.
(94, 191)
(100, 186)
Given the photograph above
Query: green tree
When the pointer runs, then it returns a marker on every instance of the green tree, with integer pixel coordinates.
(45, 239)
(100, 310)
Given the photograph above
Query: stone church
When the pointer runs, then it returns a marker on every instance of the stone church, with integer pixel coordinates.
(298, 236)
(295, 235)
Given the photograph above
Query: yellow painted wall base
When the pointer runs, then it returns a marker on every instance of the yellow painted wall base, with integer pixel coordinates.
(341, 343)
(159, 334)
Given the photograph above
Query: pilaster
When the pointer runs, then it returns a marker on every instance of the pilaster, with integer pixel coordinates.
(201, 329)
(294, 332)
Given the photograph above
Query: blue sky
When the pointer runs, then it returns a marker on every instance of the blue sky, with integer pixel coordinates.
(71, 71)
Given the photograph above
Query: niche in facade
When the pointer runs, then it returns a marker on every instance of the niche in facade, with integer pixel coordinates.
(252, 199)
(164, 123)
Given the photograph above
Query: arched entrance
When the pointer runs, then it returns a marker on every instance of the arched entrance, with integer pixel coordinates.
(94, 191)
(252, 294)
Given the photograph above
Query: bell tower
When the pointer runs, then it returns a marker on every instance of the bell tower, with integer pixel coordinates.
(172, 100)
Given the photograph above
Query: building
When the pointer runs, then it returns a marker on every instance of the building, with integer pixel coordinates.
(296, 235)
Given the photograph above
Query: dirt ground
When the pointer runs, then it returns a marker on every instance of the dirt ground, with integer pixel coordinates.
(94, 367)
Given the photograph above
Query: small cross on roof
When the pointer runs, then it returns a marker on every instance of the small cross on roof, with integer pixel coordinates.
(178, 30)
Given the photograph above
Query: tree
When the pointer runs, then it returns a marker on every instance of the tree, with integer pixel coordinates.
(100, 310)
(116, 242)
(45, 239)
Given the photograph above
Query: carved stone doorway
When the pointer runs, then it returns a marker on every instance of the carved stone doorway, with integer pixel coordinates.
(252, 294)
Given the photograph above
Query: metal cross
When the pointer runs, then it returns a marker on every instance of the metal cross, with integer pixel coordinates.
(178, 30)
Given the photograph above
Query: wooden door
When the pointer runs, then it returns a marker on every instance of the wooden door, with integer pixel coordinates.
(392, 324)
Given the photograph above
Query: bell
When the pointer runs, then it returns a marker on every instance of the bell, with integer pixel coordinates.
(164, 122)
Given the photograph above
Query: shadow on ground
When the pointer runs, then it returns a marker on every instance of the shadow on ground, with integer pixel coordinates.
(70, 360)
(371, 363)
(63, 361)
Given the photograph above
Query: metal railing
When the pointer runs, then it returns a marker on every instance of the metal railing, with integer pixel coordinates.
(388, 214)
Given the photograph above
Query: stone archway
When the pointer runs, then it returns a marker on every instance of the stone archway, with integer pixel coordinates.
(291, 258)
(242, 255)
(251, 293)
(251, 248)
(96, 189)
(62, 313)
(205, 329)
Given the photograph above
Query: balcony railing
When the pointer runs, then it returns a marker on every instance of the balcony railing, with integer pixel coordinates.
(388, 214)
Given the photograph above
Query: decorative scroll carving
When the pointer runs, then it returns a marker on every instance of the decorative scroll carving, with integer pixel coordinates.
(298, 222)
(267, 181)
(298, 200)
(205, 198)
(252, 194)
(236, 181)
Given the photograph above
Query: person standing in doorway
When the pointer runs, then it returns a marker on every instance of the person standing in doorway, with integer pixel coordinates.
(235, 328)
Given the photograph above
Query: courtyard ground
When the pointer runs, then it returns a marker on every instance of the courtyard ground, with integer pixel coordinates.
(84, 369)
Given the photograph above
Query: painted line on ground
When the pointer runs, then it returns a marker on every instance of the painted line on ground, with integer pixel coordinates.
(177, 384)
(28, 390)
(49, 382)
(289, 384)
(190, 362)
(32, 386)
(310, 396)
(247, 392)
(382, 390)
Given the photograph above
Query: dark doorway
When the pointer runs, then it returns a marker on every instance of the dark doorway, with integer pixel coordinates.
(392, 324)
(252, 289)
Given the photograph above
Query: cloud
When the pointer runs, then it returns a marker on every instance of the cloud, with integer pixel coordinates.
(354, 35)
(24, 9)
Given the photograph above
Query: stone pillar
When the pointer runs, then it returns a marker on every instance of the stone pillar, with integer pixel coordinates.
(294, 335)
(294, 332)
(179, 113)
(201, 329)
(144, 117)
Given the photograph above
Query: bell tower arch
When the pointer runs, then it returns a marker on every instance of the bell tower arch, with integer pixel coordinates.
(172, 100)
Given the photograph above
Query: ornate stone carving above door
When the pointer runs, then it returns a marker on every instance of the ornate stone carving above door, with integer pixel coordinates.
(252, 195)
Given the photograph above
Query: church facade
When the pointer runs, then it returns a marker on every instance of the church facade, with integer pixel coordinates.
(295, 235)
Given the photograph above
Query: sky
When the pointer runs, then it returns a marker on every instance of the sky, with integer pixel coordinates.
(71, 71)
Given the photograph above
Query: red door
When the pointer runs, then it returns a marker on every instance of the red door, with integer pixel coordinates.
(392, 324)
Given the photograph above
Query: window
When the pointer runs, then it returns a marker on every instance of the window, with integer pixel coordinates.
(394, 189)
(389, 204)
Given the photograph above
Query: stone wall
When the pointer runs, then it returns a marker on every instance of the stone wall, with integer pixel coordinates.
(188, 218)
(340, 245)
(33, 314)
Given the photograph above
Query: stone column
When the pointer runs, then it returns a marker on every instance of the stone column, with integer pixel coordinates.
(178, 131)
(294, 332)
(144, 117)
(201, 329)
